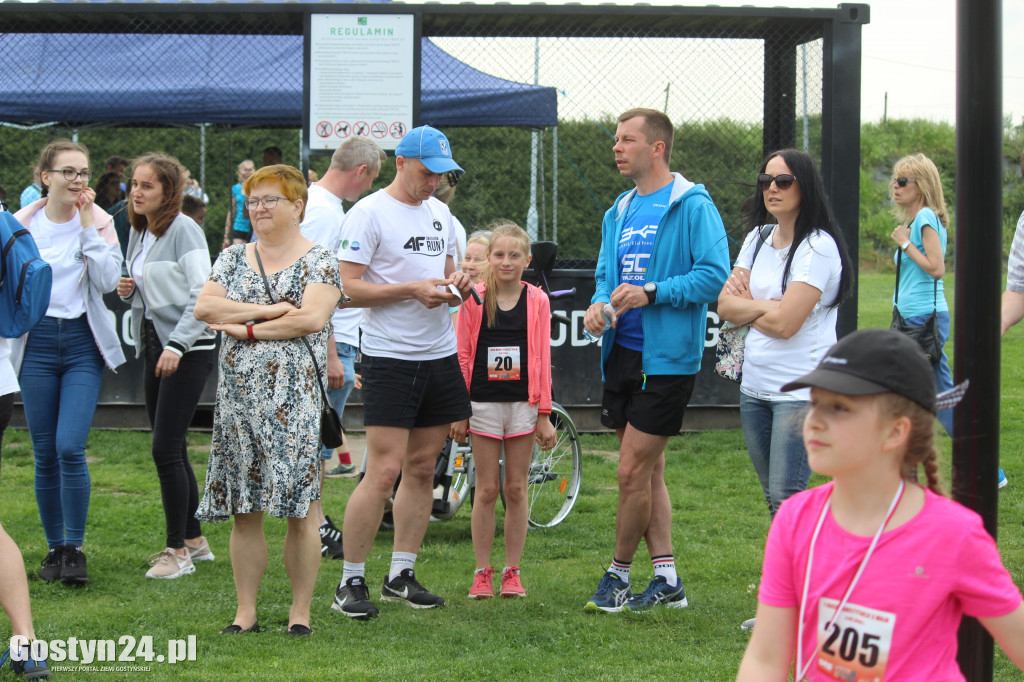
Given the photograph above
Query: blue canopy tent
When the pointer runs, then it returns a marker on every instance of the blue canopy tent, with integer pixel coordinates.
(253, 80)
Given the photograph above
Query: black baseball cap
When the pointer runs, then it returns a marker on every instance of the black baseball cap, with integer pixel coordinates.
(871, 361)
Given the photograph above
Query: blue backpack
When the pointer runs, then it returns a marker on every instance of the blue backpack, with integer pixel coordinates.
(25, 279)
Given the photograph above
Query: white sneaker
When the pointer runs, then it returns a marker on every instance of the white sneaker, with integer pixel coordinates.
(167, 565)
(200, 553)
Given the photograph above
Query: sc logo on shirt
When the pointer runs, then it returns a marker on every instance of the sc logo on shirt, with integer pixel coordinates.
(635, 263)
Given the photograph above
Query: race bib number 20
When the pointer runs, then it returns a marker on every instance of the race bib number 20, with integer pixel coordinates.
(856, 647)
(503, 363)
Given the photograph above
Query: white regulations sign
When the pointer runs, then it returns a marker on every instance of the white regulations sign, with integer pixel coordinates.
(360, 78)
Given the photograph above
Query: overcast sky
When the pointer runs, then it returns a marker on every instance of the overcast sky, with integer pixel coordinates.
(910, 53)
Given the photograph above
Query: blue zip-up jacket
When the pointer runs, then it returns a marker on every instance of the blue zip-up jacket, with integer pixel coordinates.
(689, 262)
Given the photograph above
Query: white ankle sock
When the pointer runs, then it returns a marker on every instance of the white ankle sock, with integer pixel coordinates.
(350, 570)
(620, 569)
(665, 566)
(399, 562)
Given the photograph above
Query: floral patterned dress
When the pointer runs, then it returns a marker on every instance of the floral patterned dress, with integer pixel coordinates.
(265, 450)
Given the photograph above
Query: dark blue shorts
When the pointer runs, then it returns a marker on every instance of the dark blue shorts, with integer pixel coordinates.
(655, 406)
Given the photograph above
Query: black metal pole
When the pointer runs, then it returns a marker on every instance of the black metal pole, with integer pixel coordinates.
(840, 135)
(979, 238)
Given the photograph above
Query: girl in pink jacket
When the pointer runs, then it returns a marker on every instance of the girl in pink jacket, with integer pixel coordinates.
(505, 355)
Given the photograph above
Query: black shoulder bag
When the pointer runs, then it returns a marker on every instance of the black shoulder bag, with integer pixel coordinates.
(927, 334)
(331, 429)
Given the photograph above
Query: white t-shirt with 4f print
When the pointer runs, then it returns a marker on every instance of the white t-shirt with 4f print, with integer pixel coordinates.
(401, 243)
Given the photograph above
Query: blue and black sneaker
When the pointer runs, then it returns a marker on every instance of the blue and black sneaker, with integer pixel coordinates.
(29, 670)
(612, 592)
(658, 593)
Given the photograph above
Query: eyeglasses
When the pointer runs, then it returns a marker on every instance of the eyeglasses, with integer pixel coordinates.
(782, 181)
(252, 203)
(902, 182)
(70, 174)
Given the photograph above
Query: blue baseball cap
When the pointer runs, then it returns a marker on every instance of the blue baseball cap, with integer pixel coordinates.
(430, 146)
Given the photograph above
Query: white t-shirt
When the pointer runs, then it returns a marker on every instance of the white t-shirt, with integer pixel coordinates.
(60, 245)
(8, 380)
(401, 243)
(769, 362)
(322, 224)
(137, 269)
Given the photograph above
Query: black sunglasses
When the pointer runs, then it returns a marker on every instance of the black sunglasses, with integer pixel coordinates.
(782, 181)
(902, 182)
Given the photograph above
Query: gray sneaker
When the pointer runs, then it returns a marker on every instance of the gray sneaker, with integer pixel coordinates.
(342, 471)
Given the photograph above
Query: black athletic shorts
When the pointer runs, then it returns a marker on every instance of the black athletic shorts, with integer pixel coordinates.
(655, 406)
(413, 394)
(244, 236)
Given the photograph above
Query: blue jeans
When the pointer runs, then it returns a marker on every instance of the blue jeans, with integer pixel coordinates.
(943, 377)
(773, 430)
(347, 355)
(61, 377)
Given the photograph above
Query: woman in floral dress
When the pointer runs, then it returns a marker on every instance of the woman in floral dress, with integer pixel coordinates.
(265, 451)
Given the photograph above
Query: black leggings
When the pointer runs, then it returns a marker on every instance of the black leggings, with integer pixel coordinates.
(171, 403)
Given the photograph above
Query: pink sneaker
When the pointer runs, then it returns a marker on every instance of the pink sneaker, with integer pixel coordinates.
(482, 585)
(510, 583)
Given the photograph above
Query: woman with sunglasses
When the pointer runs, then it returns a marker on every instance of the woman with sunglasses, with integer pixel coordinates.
(919, 206)
(265, 451)
(61, 359)
(168, 263)
(789, 278)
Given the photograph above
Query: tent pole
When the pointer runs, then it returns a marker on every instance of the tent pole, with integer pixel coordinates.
(531, 213)
(202, 156)
(554, 184)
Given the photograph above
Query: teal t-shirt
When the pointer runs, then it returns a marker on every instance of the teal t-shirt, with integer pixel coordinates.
(916, 285)
(636, 241)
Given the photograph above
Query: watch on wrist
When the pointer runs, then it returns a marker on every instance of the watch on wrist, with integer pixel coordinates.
(651, 289)
(905, 245)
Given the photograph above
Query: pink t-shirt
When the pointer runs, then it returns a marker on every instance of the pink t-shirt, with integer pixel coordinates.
(901, 620)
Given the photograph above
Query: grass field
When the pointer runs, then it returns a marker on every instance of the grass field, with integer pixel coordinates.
(720, 526)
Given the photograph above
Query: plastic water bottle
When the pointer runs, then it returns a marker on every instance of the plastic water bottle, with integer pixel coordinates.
(608, 312)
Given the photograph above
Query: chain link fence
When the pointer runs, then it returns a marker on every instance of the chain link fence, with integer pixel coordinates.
(215, 87)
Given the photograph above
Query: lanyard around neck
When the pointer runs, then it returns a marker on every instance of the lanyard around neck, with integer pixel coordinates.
(803, 668)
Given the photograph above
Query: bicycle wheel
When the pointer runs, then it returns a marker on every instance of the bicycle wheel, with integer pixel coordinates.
(460, 467)
(555, 474)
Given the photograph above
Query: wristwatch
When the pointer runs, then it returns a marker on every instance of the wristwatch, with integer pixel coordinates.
(651, 289)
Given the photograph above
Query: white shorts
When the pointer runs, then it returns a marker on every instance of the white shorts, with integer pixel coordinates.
(503, 420)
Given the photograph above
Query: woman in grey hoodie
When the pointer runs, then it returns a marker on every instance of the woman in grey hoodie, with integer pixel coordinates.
(168, 263)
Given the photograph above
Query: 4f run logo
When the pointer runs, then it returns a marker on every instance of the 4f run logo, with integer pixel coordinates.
(425, 246)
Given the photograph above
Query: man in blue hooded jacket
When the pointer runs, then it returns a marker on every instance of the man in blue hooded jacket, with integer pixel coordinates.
(663, 257)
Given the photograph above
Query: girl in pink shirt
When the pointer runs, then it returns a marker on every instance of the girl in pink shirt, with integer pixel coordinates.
(867, 577)
(505, 355)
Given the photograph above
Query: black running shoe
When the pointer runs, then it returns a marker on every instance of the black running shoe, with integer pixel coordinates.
(405, 588)
(28, 670)
(72, 570)
(330, 541)
(51, 565)
(353, 599)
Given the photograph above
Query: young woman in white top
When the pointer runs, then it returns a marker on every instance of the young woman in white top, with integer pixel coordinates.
(789, 293)
(63, 355)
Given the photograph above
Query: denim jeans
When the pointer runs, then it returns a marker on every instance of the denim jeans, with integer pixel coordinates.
(773, 430)
(61, 377)
(943, 376)
(339, 396)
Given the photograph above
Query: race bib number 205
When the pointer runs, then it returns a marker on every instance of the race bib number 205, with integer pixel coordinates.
(856, 647)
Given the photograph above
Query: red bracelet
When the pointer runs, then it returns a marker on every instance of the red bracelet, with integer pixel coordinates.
(248, 330)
